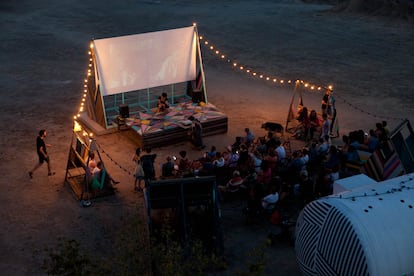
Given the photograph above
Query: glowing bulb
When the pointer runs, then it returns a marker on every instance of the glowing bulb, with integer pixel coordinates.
(86, 80)
(312, 87)
(89, 53)
(222, 56)
(194, 24)
(306, 85)
(282, 81)
(248, 70)
(211, 47)
(234, 64)
(289, 81)
(241, 67)
(274, 80)
(319, 88)
(254, 73)
(217, 52)
(261, 76)
(206, 42)
(330, 87)
(200, 37)
(76, 126)
(91, 45)
(267, 78)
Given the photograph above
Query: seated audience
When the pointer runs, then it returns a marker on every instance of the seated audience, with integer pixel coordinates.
(184, 165)
(167, 169)
(270, 200)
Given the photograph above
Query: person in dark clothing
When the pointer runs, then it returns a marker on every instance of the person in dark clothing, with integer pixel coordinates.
(168, 168)
(147, 161)
(197, 133)
(41, 148)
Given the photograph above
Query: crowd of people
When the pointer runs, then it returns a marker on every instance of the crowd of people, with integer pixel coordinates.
(265, 169)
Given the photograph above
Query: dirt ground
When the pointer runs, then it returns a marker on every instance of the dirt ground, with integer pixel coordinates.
(43, 61)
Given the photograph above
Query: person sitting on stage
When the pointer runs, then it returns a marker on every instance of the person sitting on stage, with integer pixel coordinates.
(163, 103)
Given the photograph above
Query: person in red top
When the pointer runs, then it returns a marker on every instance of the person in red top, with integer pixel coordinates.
(232, 186)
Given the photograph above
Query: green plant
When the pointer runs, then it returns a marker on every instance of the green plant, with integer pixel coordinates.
(66, 259)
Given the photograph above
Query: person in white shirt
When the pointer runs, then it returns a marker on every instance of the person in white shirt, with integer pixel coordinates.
(269, 201)
(280, 151)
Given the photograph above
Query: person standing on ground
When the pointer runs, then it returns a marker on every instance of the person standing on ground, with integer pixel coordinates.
(139, 171)
(41, 148)
(325, 101)
(147, 162)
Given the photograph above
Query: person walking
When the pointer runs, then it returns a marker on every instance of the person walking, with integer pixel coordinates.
(41, 148)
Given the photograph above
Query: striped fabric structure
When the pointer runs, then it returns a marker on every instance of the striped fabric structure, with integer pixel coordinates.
(365, 230)
(326, 243)
(384, 163)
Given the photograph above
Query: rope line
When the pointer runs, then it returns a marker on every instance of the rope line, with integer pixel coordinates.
(113, 160)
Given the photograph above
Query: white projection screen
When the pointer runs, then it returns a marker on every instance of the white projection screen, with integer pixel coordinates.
(135, 62)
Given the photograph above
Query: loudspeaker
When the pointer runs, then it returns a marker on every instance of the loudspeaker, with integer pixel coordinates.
(123, 110)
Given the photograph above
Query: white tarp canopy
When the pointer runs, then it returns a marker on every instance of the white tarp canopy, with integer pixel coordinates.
(134, 62)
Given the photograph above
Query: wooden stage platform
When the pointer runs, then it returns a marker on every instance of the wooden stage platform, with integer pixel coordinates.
(149, 129)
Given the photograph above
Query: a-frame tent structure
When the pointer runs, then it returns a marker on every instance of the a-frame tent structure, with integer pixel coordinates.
(134, 70)
(294, 108)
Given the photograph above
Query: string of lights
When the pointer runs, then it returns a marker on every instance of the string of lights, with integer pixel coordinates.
(254, 73)
(280, 81)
